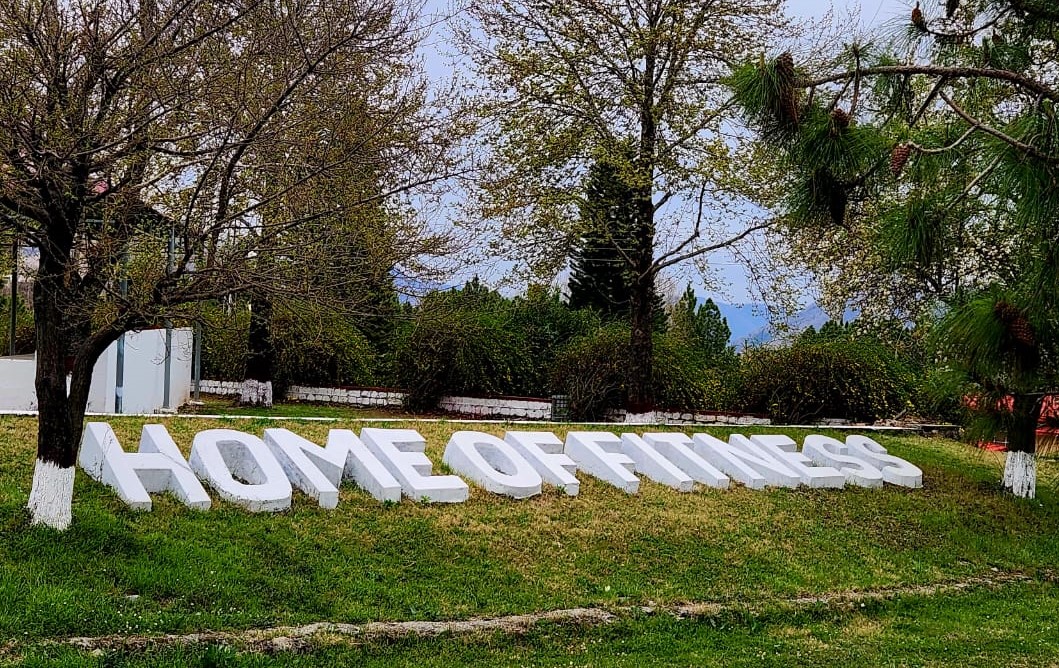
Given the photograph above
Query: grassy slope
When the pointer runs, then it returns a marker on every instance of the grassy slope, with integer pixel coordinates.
(230, 569)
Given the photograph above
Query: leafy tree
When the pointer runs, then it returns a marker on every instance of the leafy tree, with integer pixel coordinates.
(126, 124)
(941, 147)
(568, 79)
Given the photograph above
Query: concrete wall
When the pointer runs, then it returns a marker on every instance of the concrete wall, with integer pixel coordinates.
(16, 383)
(144, 375)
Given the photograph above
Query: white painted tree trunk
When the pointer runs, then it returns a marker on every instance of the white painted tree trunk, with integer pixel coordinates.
(256, 393)
(1020, 474)
(51, 497)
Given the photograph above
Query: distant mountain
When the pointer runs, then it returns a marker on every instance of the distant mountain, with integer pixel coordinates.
(746, 321)
(810, 316)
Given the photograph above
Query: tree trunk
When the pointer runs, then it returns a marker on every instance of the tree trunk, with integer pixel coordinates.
(1020, 467)
(50, 498)
(641, 349)
(641, 345)
(257, 385)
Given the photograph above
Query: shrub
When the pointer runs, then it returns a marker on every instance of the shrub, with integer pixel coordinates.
(592, 372)
(460, 342)
(546, 326)
(312, 347)
(25, 336)
(224, 332)
(839, 378)
(317, 348)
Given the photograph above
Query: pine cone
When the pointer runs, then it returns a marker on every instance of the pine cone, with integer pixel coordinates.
(950, 7)
(899, 158)
(917, 18)
(789, 107)
(785, 65)
(788, 95)
(841, 118)
(1018, 326)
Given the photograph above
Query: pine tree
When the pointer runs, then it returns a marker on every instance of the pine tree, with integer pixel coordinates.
(964, 117)
(600, 270)
(703, 326)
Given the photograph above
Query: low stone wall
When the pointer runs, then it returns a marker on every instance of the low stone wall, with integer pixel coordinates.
(529, 409)
(495, 407)
(350, 396)
(674, 417)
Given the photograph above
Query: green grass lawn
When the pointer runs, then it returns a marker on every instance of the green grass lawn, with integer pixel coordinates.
(177, 570)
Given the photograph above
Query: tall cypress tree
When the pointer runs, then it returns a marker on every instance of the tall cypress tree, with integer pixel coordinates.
(600, 266)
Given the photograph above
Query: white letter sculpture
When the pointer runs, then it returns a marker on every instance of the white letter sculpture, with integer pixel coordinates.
(599, 453)
(493, 464)
(218, 456)
(157, 467)
(544, 451)
(677, 449)
(828, 451)
(402, 453)
(652, 464)
(739, 460)
(895, 470)
(784, 449)
(319, 471)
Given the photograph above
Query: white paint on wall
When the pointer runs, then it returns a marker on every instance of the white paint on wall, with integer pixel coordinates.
(17, 375)
(144, 372)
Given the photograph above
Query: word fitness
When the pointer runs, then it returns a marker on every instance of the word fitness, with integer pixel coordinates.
(259, 474)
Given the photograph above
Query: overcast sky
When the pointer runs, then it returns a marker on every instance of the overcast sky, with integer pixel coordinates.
(871, 12)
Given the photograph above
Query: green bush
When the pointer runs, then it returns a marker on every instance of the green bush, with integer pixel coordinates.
(593, 372)
(317, 348)
(25, 336)
(837, 378)
(224, 335)
(460, 342)
(546, 325)
(312, 347)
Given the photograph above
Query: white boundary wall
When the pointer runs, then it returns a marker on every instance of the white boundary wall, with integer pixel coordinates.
(513, 407)
(144, 372)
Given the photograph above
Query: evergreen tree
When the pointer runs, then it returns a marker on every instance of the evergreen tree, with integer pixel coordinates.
(948, 138)
(703, 326)
(600, 273)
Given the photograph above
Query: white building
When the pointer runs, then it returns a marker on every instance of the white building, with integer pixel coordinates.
(142, 367)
